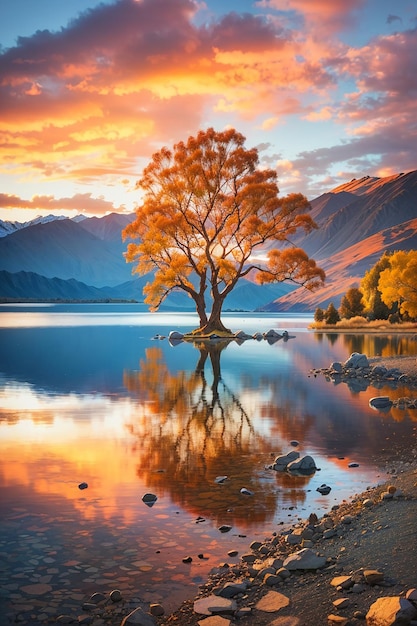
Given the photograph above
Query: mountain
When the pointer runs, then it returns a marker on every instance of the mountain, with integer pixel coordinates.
(6, 228)
(357, 222)
(66, 249)
(31, 286)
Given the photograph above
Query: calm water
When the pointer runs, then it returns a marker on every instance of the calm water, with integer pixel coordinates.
(87, 394)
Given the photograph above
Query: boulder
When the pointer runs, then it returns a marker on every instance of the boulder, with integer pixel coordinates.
(214, 604)
(272, 333)
(229, 590)
(305, 559)
(242, 335)
(380, 402)
(391, 611)
(305, 464)
(175, 335)
(273, 601)
(357, 360)
(281, 462)
(336, 367)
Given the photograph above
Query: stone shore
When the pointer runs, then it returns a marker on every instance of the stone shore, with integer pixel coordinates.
(322, 571)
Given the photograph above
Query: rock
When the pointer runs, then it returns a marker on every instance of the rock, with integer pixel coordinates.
(149, 499)
(342, 582)
(115, 595)
(242, 335)
(187, 559)
(83, 486)
(380, 402)
(294, 538)
(214, 620)
(357, 360)
(337, 619)
(305, 464)
(341, 603)
(281, 462)
(96, 598)
(138, 617)
(248, 558)
(324, 489)
(336, 367)
(175, 335)
(214, 604)
(412, 595)
(270, 580)
(246, 492)
(294, 443)
(390, 611)
(283, 573)
(156, 609)
(220, 479)
(225, 528)
(313, 519)
(272, 333)
(232, 589)
(373, 576)
(273, 601)
(353, 464)
(305, 559)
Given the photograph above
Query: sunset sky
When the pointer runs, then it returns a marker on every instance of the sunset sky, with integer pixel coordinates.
(325, 89)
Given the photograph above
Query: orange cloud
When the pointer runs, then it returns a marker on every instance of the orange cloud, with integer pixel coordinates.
(82, 202)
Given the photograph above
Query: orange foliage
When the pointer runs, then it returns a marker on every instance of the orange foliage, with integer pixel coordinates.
(207, 209)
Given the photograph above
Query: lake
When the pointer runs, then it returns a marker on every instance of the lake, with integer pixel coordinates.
(91, 394)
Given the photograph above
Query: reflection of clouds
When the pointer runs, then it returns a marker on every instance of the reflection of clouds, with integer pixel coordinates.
(103, 416)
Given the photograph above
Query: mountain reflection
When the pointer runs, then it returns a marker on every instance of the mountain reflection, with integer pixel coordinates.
(195, 429)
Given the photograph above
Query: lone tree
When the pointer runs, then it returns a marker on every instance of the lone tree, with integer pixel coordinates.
(207, 209)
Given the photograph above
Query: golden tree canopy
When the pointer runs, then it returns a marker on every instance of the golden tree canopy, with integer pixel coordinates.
(398, 282)
(207, 209)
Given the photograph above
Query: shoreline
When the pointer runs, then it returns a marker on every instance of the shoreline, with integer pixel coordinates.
(311, 600)
(366, 529)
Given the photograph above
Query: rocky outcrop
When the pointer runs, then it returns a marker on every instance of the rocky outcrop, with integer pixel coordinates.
(359, 374)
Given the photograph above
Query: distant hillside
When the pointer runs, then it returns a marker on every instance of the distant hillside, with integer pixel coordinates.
(356, 222)
(66, 249)
(21, 286)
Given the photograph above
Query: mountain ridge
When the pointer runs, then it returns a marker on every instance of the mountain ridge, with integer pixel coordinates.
(357, 222)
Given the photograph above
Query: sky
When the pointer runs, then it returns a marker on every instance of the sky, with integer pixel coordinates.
(326, 90)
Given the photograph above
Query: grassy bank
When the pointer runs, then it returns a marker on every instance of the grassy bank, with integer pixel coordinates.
(362, 325)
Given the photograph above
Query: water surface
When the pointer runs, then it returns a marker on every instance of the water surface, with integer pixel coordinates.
(88, 394)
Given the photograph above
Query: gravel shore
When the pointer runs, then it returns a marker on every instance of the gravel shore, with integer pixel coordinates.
(382, 536)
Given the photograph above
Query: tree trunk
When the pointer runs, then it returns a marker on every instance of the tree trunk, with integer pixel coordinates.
(214, 323)
(200, 305)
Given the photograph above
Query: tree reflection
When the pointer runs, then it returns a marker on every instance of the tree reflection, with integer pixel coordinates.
(191, 427)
